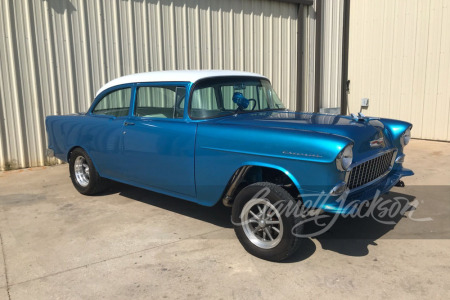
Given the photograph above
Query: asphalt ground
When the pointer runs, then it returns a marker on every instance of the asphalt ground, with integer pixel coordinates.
(131, 243)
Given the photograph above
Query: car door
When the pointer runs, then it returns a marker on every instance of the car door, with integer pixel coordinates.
(158, 142)
(103, 130)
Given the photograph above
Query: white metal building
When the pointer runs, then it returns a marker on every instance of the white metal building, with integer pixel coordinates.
(55, 54)
(399, 58)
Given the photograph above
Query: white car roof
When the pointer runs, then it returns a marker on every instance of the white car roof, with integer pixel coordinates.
(166, 76)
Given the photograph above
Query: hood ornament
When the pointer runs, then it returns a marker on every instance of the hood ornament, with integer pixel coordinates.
(360, 117)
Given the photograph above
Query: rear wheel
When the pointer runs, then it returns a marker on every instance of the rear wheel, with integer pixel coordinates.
(266, 221)
(84, 176)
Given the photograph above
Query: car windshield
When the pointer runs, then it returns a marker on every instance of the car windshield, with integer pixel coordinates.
(221, 96)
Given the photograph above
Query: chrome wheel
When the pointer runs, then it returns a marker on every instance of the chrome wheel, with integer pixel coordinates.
(81, 169)
(262, 223)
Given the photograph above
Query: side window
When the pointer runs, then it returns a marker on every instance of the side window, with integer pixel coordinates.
(204, 99)
(160, 101)
(204, 103)
(116, 103)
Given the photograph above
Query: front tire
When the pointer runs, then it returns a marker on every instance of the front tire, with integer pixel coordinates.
(85, 177)
(266, 221)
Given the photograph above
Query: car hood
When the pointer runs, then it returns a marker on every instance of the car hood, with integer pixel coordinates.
(361, 133)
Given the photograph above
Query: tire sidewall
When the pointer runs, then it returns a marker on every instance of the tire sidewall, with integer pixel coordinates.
(92, 173)
(277, 197)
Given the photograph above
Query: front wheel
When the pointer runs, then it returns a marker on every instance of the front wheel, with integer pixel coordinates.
(266, 221)
(84, 175)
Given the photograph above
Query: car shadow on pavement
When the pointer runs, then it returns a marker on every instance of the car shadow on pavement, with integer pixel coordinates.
(347, 235)
(352, 235)
(218, 214)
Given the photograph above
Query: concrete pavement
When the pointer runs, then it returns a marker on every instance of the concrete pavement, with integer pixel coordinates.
(132, 243)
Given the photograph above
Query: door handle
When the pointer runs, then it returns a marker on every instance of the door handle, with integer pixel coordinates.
(128, 123)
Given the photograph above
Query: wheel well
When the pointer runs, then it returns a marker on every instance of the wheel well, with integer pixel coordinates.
(70, 152)
(247, 175)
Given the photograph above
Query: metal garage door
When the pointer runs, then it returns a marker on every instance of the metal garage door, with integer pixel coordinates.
(399, 58)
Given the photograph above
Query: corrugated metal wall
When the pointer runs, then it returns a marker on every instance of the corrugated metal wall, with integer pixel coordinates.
(55, 54)
(331, 69)
(399, 57)
(330, 55)
(309, 54)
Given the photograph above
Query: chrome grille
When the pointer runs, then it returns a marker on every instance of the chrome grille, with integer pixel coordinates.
(369, 170)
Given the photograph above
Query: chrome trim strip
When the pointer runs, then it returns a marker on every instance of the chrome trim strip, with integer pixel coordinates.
(376, 179)
(394, 157)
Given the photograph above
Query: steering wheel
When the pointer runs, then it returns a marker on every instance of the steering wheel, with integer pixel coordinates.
(254, 105)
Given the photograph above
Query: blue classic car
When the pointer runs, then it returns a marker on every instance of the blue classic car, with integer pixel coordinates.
(210, 136)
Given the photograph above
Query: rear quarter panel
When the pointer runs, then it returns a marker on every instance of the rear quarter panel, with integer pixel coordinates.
(63, 133)
(99, 136)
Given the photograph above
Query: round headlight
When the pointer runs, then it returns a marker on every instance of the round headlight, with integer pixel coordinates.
(345, 158)
(406, 136)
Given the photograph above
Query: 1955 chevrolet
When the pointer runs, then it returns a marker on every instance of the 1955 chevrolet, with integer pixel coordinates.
(210, 136)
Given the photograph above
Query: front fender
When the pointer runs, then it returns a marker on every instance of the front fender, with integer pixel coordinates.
(279, 168)
(395, 129)
(306, 157)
